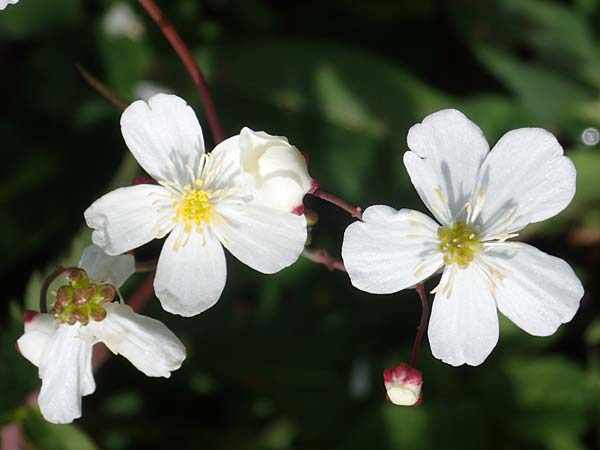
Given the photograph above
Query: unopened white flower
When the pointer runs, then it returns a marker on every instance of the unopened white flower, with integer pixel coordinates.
(60, 343)
(203, 202)
(279, 173)
(480, 199)
(5, 3)
(403, 385)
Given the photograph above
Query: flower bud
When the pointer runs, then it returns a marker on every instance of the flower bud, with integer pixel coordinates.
(278, 170)
(403, 385)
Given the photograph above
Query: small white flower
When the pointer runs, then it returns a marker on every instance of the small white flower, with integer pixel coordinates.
(480, 198)
(60, 344)
(203, 202)
(5, 3)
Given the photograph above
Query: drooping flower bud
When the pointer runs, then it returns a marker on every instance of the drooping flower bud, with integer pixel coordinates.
(403, 385)
(279, 171)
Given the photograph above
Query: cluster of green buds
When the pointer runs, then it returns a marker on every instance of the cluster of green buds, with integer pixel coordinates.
(81, 299)
(459, 244)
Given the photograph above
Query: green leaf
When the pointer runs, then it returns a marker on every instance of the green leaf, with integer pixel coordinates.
(43, 435)
(33, 17)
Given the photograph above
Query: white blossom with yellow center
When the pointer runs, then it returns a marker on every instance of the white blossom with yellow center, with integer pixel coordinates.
(202, 202)
(480, 198)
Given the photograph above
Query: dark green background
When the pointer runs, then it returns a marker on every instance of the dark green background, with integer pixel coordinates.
(295, 360)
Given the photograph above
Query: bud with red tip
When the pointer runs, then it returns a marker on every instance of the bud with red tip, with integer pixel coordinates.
(403, 385)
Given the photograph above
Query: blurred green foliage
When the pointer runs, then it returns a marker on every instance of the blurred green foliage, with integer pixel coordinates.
(295, 360)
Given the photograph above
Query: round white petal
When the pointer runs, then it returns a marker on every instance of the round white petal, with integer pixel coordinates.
(254, 144)
(104, 268)
(463, 328)
(147, 343)
(539, 292)
(447, 150)
(390, 250)
(190, 275)
(265, 239)
(64, 379)
(125, 218)
(525, 179)
(161, 132)
(35, 339)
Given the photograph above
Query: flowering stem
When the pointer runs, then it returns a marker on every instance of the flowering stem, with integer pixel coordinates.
(146, 266)
(422, 325)
(354, 211)
(101, 88)
(190, 64)
(322, 257)
(46, 284)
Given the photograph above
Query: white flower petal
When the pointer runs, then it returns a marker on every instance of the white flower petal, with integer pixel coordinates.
(228, 152)
(447, 152)
(190, 275)
(38, 330)
(64, 380)
(147, 343)
(539, 292)
(282, 193)
(125, 218)
(5, 3)
(463, 328)
(265, 239)
(525, 179)
(390, 250)
(104, 268)
(160, 130)
(254, 144)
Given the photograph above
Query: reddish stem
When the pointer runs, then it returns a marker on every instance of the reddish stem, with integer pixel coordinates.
(422, 325)
(101, 88)
(322, 257)
(190, 64)
(354, 211)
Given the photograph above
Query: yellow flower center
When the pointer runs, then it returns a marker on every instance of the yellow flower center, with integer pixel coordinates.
(459, 244)
(195, 208)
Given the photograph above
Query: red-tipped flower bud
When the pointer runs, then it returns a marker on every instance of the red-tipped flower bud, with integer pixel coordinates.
(403, 385)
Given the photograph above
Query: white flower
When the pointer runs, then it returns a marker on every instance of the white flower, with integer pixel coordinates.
(278, 170)
(403, 385)
(60, 344)
(5, 3)
(480, 198)
(203, 202)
